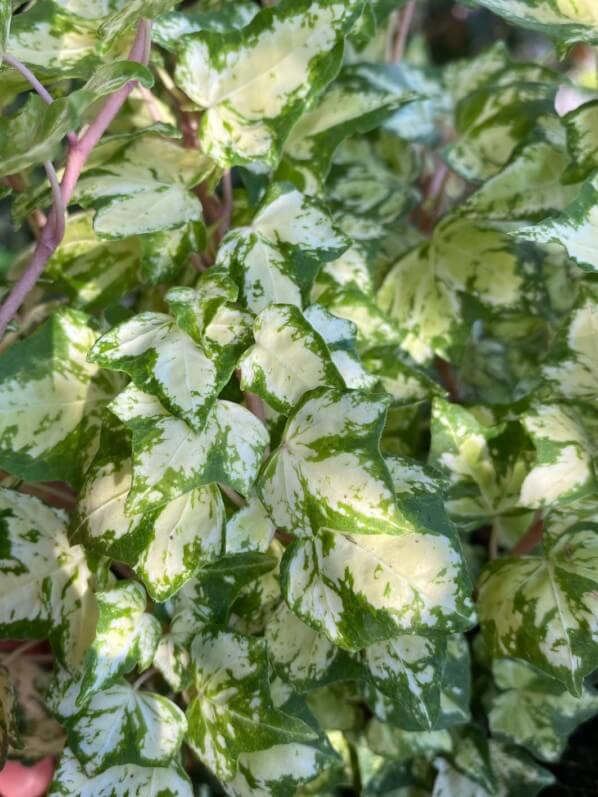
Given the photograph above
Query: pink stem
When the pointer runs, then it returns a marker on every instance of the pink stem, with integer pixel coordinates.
(227, 205)
(79, 152)
(405, 21)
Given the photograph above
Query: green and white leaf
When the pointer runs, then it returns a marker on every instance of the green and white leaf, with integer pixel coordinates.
(361, 589)
(568, 20)
(400, 745)
(536, 712)
(250, 529)
(232, 713)
(51, 399)
(71, 780)
(170, 458)
(275, 258)
(543, 609)
(399, 376)
(46, 585)
(168, 29)
(121, 725)
(582, 139)
(374, 327)
(288, 359)
(254, 83)
(126, 636)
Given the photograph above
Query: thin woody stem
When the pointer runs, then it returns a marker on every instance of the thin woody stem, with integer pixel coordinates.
(531, 538)
(79, 152)
(405, 21)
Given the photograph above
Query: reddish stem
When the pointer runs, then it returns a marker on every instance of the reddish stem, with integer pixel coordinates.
(79, 152)
(405, 20)
(531, 538)
(448, 378)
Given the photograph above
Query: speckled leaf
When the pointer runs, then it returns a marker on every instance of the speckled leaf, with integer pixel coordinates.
(125, 636)
(290, 53)
(250, 529)
(169, 458)
(121, 725)
(232, 713)
(71, 780)
(534, 711)
(358, 100)
(288, 359)
(400, 745)
(142, 186)
(51, 400)
(563, 469)
(408, 668)
(575, 229)
(399, 376)
(328, 470)
(276, 257)
(568, 20)
(361, 589)
(168, 29)
(582, 139)
(130, 13)
(166, 362)
(543, 609)
(374, 327)
(46, 586)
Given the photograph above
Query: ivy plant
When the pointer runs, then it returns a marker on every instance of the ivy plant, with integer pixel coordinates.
(298, 400)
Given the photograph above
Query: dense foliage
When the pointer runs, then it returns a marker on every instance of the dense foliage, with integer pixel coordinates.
(298, 400)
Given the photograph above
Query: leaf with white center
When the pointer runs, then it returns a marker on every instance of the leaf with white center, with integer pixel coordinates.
(125, 636)
(534, 711)
(46, 585)
(120, 725)
(71, 780)
(408, 668)
(358, 100)
(498, 117)
(288, 359)
(485, 465)
(424, 291)
(250, 529)
(529, 188)
(276, 257)
(170, 458)
(543, 609)
(563, 470)
(328, 470)
(51, 400)
(142, 186)
(196, 308)
(340, 335)
(582, 139)
(575, 229)
(361, 589)
(571, 368)
(399, 376)
(254, 83)
(567, 20)
(351, 269)
(165, 361)
(232, 713)
(302, 656)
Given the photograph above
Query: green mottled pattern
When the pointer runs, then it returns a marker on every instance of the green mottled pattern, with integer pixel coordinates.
(569, 20)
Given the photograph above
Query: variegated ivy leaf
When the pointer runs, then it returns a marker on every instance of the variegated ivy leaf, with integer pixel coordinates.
(374, 327)
(165, 361)
(130, 13)
(361, 589)
(168, 30)
(534, 711)
(276, 257)
(288, 359)
(485, 465)
(408, 668)
(232, 713)
(170, 458)
(291, 51)
(121, 725)
(571, 368)
(250, 529)
(46, 585)
(498, 117)
(399, 376)
(142, 186)
(543, 609)
(351, 269)
(340, 335)
(51, 399)
(357, 101)
(582, 139)
(71, 780)
(564, 450)
(575, 229)
(567, 20)
(400, 745)
(530, 187)
(304, 657)
(125, 636)
(9, 728)
(424, 291)
(328, 470)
